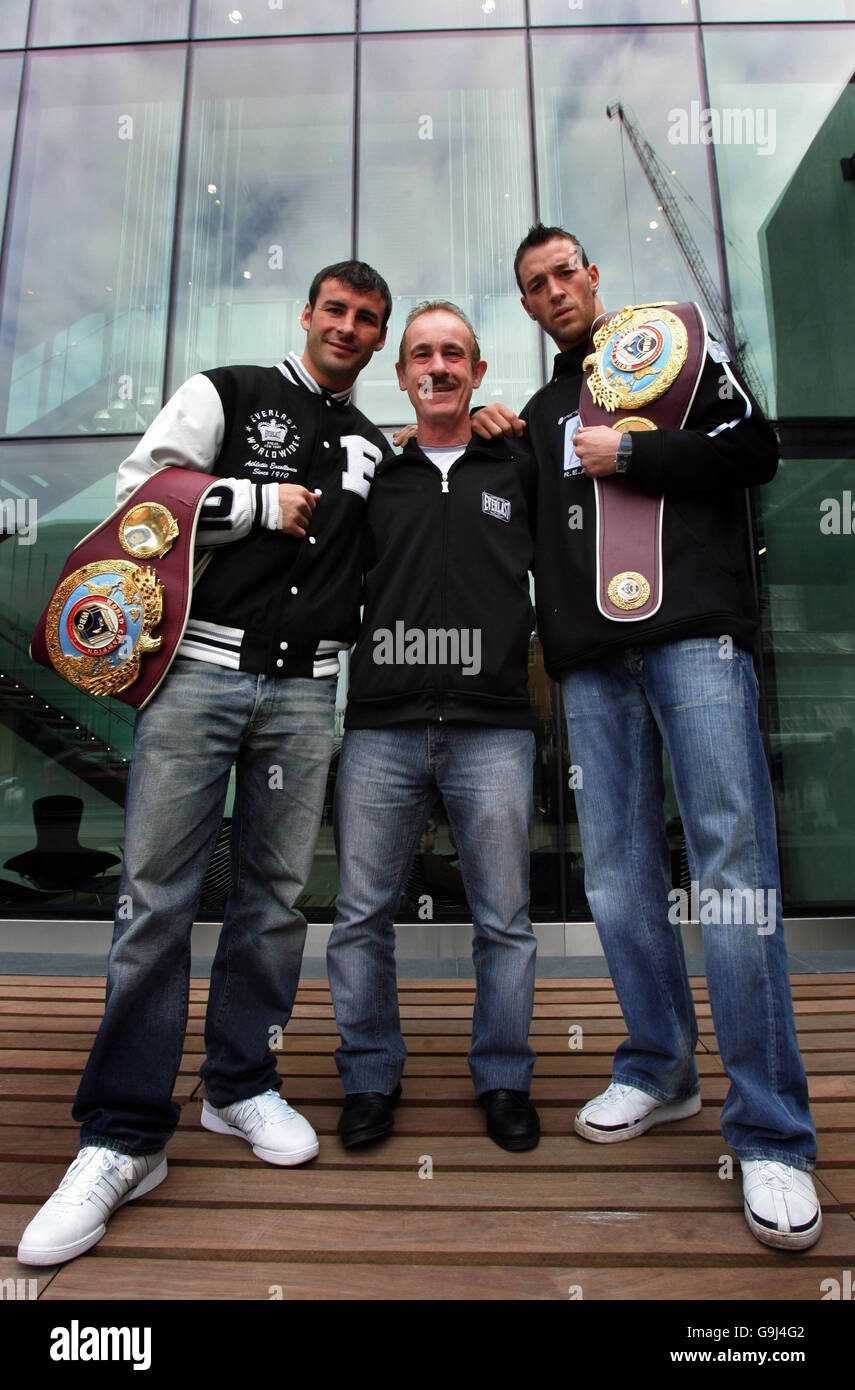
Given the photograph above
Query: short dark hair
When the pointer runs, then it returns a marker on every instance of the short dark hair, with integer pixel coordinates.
(538, 235)
(429, 306)
(359, 276)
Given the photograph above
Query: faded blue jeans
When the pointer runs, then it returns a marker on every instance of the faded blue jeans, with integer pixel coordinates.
(279, 736)
(700, 698)
(387, 782)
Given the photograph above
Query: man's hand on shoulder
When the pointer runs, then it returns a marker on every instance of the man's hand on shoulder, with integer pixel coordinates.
(496, 419)
(296, 505)
(403, 435)
(596, 448)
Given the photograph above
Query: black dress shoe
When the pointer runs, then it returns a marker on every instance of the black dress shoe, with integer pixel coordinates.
(367, 1115)
(512, 1121)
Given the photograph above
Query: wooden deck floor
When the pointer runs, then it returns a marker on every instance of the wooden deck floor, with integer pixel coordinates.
(657, 1218)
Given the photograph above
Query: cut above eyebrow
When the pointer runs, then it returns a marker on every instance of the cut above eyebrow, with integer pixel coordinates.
(572, 263)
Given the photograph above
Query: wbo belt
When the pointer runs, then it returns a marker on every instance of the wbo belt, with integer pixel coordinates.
(120, 607)
(646, 358)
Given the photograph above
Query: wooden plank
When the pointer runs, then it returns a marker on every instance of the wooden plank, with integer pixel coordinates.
(667, 1147)
(316, 1084)
(30, 1283)
(405, 1237)
(101, 1277)
(265, 1186)
(829, 1115)
(589, 1061)
(558, 1091)
(592, 1060)
(192, 1144)
(840, 1182)
(63, 1086)
(427, 1116)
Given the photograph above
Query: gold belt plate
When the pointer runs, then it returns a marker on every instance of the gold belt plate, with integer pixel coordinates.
(638, 354)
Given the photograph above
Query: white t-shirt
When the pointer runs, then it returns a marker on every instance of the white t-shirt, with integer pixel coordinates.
(444, 456)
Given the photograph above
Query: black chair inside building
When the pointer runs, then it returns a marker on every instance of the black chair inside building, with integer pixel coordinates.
(59, 860)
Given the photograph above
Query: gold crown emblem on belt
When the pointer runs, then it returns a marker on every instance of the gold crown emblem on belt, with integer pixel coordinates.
(638, 353)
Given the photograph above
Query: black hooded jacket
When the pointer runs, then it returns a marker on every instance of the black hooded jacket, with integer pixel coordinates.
(702, 471)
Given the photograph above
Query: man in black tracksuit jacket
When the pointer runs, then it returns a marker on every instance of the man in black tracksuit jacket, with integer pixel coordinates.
(252, 687)
(438, 703)
(682, 677)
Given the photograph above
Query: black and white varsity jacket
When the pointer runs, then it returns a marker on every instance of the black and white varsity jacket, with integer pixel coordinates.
(264, 601)
(448, 614)
(702, 471)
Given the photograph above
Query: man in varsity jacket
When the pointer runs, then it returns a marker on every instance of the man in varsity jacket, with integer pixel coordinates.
(438, 705)
(252, 687)
(674, 668)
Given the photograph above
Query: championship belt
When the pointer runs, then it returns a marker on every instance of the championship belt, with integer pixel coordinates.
(647, 358)
(120, 608)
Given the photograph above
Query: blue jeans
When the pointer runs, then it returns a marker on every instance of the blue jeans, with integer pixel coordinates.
(702, 702)
(204, 719)
(387, 782)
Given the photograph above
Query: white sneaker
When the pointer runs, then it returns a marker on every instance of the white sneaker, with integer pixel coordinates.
(623, 1111)
(277, 1133)
(75, 1217)
(781, 1205)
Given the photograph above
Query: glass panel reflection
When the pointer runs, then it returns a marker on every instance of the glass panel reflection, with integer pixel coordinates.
(63, 753)
(267, 197)
(445, 196)
(612, 11)
(747, 10)
(13, 23)
(807, 520)
(10, 82)
(441, 14)
(84, 311)
(236, 19)
(107, 21)
(783, 103)
(591, 181)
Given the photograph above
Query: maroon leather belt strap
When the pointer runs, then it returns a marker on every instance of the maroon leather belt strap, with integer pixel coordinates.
(642, 373)
(119, 610)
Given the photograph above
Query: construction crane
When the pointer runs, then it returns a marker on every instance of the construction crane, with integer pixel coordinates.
(729, 326)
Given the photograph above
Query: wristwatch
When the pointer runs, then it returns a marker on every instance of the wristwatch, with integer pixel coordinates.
(624, 453)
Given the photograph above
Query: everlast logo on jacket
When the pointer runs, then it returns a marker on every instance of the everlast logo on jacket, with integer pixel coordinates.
(496, 506)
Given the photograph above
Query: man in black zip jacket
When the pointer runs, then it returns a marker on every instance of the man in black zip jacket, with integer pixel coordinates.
(683, 677)
(438, 703)
(252, 687)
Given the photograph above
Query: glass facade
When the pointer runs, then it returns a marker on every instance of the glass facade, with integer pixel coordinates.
(172, 175)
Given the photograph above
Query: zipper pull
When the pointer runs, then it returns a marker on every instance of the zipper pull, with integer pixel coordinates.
(445, 485)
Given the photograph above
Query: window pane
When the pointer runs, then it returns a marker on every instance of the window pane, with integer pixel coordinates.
(13, 23)
(10, 82)
(235, 19)
(591, 180)
(612, 11)
(807, 527)
(267, 196)
(445, 196)
(56, 741)
(89, 243)
(746, 10)
(785, 112)
(441, 14)
(107, 21)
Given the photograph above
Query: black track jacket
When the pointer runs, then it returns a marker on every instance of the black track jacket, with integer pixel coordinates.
(448, 614)
(702, 471)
